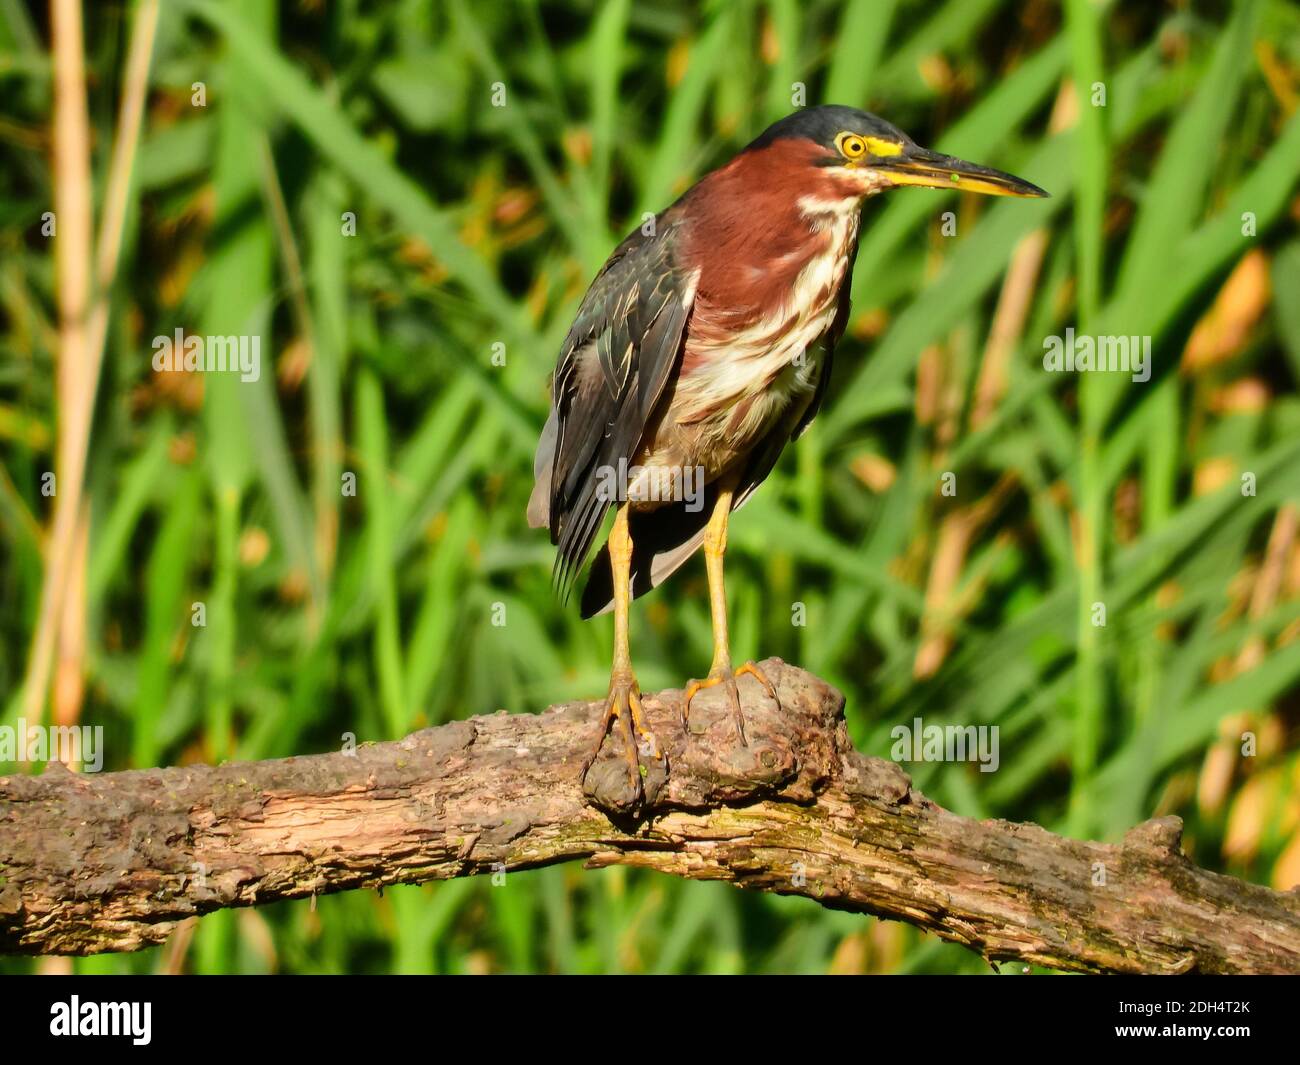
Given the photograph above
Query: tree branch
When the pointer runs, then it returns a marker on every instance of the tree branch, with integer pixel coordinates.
(112, 862)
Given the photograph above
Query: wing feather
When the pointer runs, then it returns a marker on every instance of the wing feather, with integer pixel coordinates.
(624, 343)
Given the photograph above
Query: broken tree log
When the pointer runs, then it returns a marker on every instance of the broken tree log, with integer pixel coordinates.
(113, 862)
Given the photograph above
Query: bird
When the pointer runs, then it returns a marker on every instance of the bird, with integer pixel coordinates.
(702, 347)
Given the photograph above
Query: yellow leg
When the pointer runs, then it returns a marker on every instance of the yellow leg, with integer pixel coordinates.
(715, 548)
(624, 701)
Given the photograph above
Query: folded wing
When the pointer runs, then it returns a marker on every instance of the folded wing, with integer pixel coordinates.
(623, 345)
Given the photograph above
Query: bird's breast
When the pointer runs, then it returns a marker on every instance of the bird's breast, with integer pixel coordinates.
(753, 356)
(766, 345)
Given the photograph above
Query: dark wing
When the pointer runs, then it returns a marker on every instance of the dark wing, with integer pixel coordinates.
(664, 538)
(621, 348)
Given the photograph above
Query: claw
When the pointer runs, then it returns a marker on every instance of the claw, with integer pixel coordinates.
(725, 675)
(624, 704)
(752, 669)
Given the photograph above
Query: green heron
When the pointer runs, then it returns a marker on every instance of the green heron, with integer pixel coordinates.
(702, 347)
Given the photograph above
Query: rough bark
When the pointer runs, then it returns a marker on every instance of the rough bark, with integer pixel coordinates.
(113, 862)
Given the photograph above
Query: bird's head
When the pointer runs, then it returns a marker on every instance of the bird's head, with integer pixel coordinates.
(846, 154)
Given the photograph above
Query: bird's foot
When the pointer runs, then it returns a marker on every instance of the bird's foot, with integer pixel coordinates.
(624, 705)
(722, 673)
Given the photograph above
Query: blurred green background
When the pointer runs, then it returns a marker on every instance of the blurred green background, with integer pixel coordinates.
(413, 350)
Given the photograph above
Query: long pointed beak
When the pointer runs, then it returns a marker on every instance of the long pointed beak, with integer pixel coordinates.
(920, 166)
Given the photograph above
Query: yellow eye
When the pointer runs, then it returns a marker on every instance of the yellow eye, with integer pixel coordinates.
(851, 146)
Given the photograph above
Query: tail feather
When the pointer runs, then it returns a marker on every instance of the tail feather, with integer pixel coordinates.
(539, 503)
